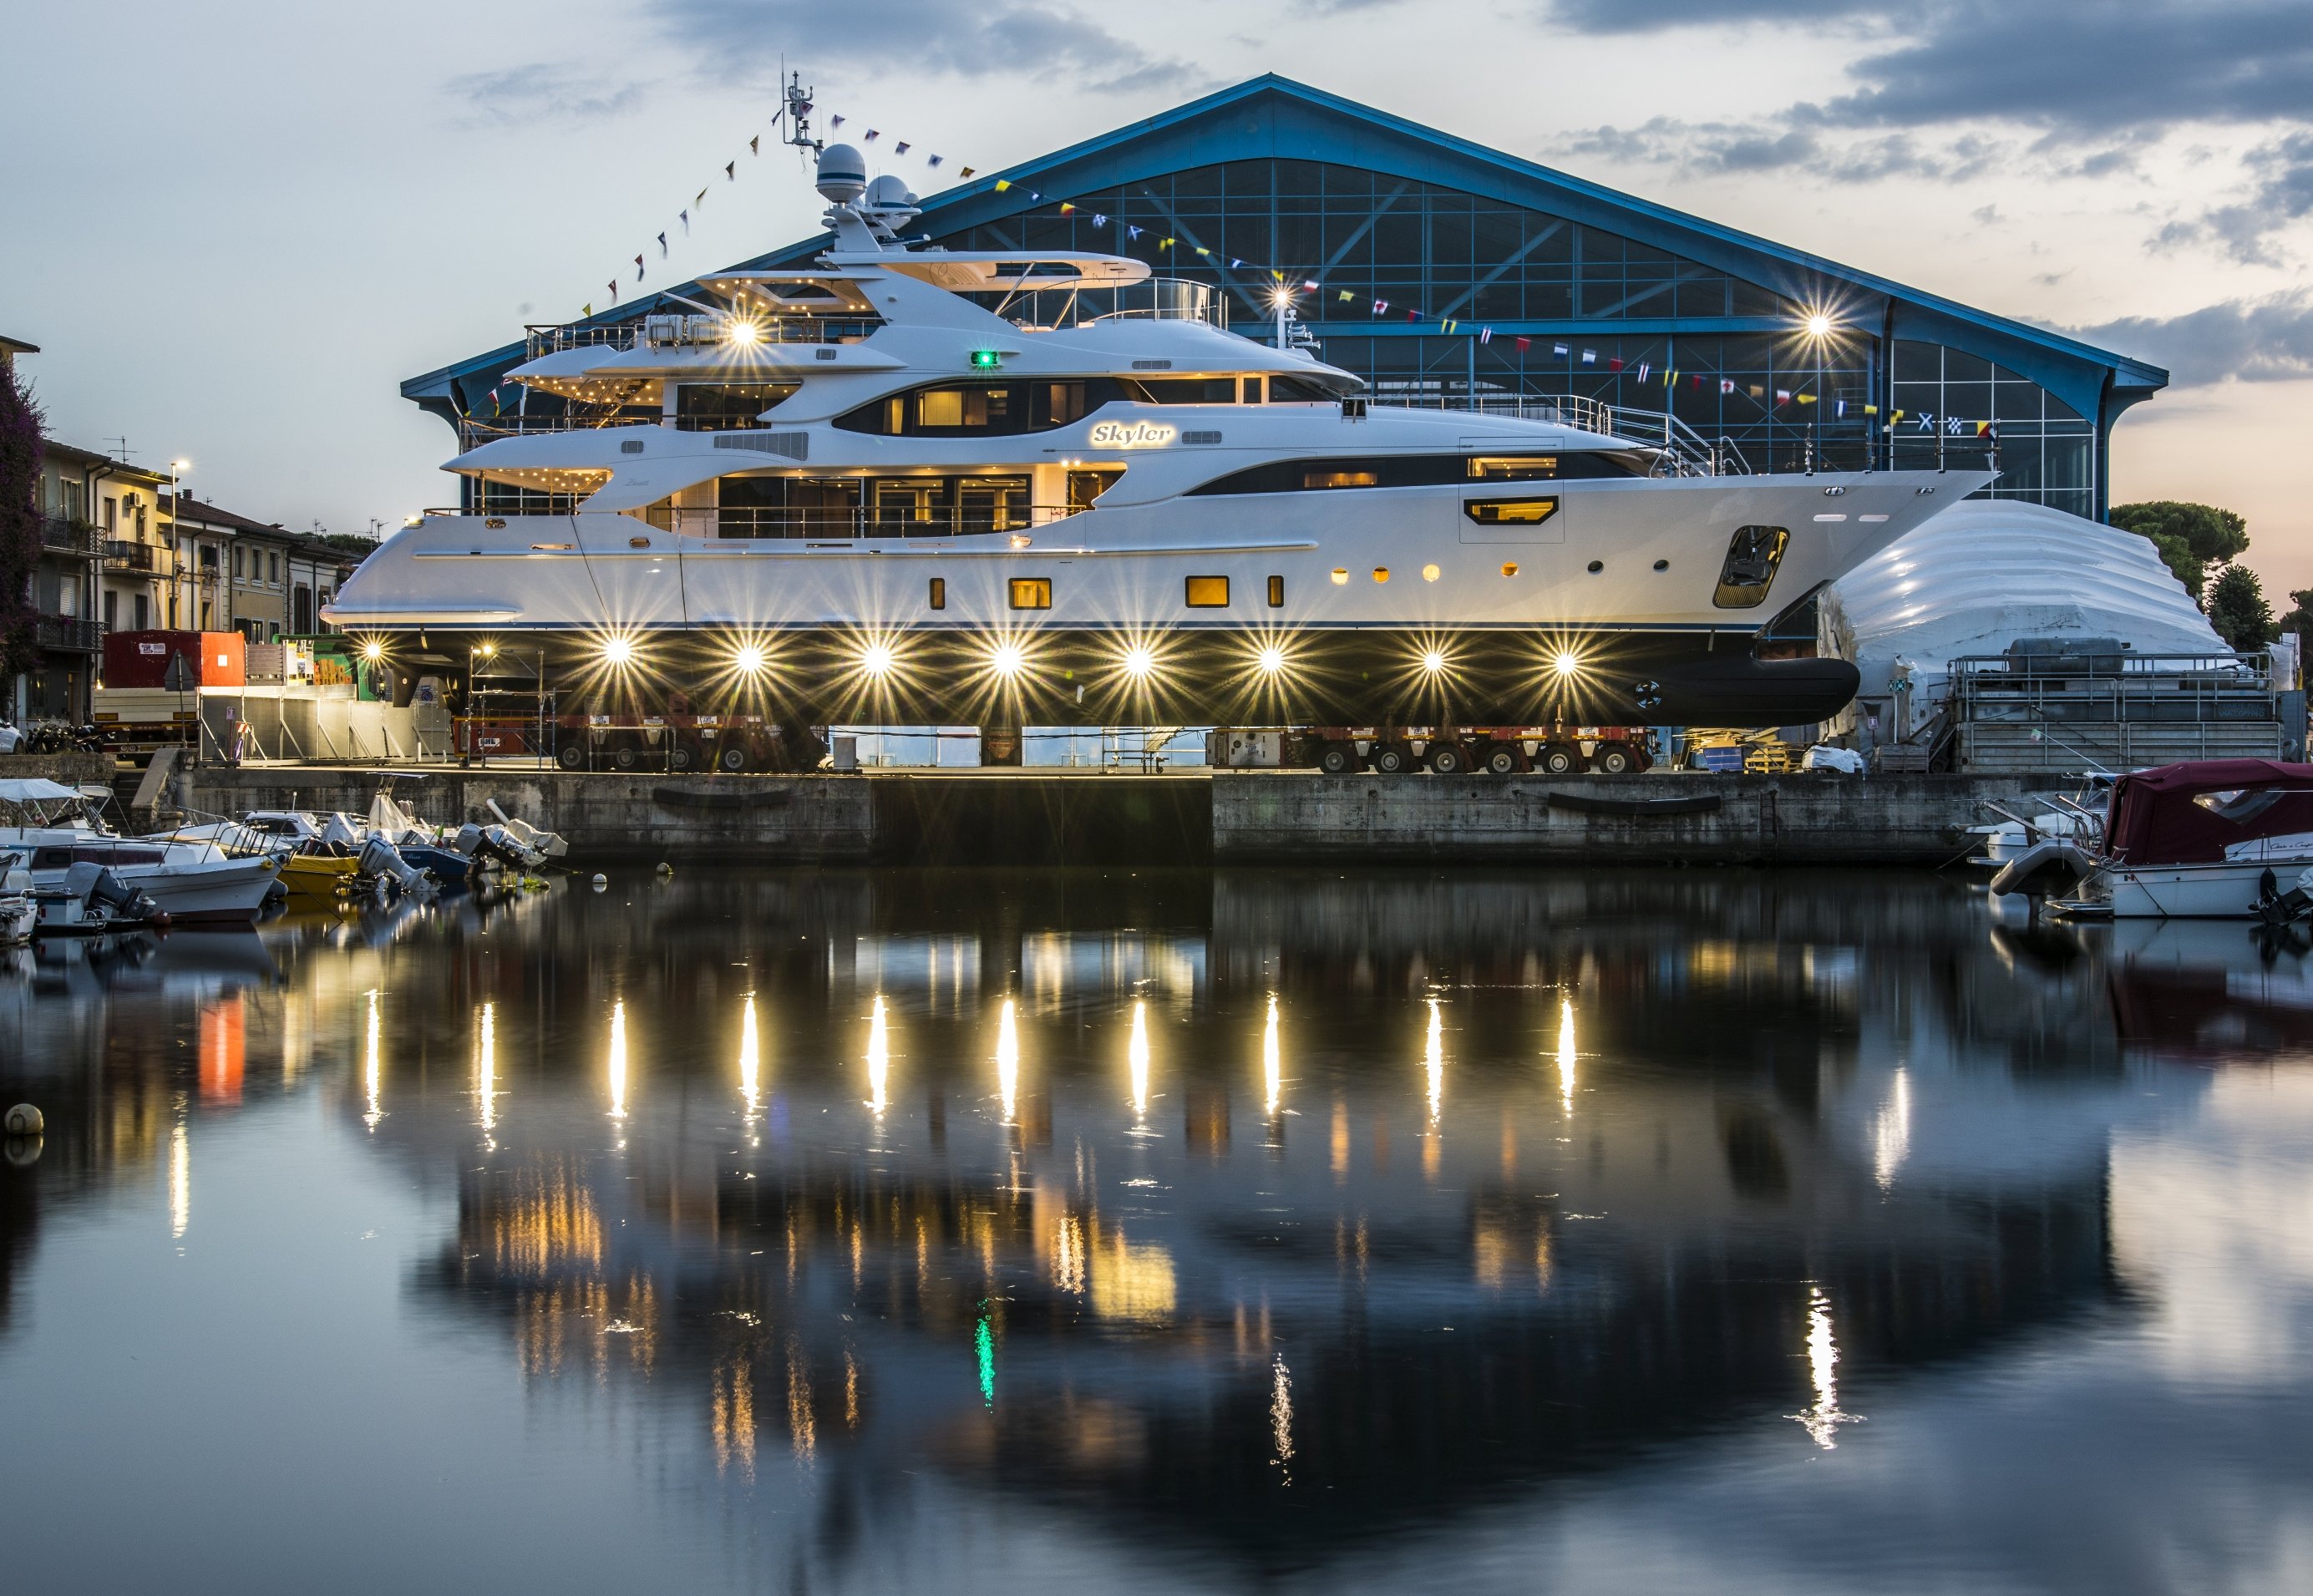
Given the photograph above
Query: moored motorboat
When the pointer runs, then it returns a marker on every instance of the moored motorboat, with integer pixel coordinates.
(2204, 839)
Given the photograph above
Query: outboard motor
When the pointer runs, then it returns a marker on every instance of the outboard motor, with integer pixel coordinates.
(496, 843)
(100, 889)
(379, 859)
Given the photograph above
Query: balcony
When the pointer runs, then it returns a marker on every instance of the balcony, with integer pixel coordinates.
(69, 633)
(122, 555)
(65, 535)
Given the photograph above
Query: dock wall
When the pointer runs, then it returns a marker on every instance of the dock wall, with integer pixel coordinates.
(1179, 819)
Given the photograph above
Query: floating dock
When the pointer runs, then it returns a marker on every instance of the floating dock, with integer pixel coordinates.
(1193, 817)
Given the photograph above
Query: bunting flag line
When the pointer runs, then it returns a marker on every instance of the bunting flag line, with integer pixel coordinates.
(755, 144)
(900, 148)
(661, 246)
(638, 268)
(1485, 335)
(931, 161)
(686, 223)
(731, 172)
(1523, 344)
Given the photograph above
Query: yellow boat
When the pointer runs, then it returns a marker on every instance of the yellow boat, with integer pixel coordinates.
(318, 875)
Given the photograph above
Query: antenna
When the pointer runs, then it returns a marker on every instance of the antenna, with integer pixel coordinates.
(798, 114)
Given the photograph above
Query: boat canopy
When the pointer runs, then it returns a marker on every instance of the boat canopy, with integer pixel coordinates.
(2190, 813)
(33, 790)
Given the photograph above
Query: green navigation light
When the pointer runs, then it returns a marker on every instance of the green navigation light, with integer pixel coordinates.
(986, 360)
(983, 1340)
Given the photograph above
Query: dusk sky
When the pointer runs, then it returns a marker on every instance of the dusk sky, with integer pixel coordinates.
(234, 229)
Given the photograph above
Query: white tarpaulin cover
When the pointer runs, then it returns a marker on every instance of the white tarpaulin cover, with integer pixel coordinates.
(33, 790)
(1988, 571)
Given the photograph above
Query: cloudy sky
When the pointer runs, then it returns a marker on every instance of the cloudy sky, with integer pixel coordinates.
(233, 228)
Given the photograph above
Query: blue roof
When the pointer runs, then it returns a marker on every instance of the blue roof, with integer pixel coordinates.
(1272, 116)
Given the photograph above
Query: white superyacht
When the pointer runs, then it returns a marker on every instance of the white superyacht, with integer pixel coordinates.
(923, 485)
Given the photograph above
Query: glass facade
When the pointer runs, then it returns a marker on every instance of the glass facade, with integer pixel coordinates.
(1572, 309)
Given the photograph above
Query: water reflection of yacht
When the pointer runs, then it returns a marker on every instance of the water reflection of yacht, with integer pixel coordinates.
(946, 1179)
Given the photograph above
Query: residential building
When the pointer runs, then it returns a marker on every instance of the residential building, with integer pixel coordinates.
(232, 572)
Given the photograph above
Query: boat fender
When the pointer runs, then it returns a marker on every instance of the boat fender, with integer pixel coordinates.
(24, 1120)
(2045, 870)
(601, 882)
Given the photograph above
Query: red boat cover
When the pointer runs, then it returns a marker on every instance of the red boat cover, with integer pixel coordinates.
(2152, 819)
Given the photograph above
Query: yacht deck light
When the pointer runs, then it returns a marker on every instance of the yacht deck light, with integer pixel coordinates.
(1272, 658)
(1139, 661)
(1567, 663)
(1433, 661)
(875, 659)
(1008, 660)
(617, 651)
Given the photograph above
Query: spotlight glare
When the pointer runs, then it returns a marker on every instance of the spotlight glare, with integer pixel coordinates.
(1567, 663)
(749, 660)
(875, 659)
(1272, 658)
(373, 651)
(617, 651)
(1139, 661)
(1007, 660)
(1433, 661)
(1818, 326)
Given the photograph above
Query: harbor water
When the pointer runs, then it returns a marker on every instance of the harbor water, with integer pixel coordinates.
(1020, 1231)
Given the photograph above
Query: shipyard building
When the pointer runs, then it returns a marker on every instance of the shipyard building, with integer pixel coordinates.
(1447, 273)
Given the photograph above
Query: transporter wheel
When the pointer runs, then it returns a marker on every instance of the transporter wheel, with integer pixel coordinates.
(1614, 759)
(1337, 758)
(682, 757)
(733, 759)
(1499, 759)
(626, 758)
(571, 756)
(1557, 758)
(1393, 759)
(1449, 758)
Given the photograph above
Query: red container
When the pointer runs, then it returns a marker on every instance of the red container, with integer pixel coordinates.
(141, 658)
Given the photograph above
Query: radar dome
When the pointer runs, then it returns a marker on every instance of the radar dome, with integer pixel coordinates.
(890, 193)
(842, 174)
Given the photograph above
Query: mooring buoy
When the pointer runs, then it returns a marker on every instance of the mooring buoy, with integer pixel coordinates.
(24, 1120)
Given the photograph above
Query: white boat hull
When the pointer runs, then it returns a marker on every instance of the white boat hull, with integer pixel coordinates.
(2220, 890)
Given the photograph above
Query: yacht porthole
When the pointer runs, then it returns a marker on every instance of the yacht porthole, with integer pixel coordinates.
(1428, 572)
(1341, 577)
(1596, 566)
(1662, 565)
(1381, 572)
(1509, 567)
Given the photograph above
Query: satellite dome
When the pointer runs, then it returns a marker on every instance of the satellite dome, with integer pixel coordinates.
(890, 193)
(842, 174)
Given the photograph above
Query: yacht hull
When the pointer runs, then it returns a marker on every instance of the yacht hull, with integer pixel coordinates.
(2221, 889)
(1382, 606)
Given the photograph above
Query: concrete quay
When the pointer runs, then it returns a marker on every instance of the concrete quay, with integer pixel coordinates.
(1037, 817)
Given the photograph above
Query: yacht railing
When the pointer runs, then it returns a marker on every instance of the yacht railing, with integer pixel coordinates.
(843, 522)
(1680, 450)
(1160, 299)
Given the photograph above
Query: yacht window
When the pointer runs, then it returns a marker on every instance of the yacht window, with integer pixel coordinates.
(1510, 511)
(1032, 592)
(1251, 390)
(1208, 592)
(937, 597)
(788, 507)
(1189, 390)
(1297, 390)
(1403, 471)
(1752, 556)
(980, 410)
(1084, 487)
(990, 503)
(1277, 592)
(1524, 467)
(714, 407)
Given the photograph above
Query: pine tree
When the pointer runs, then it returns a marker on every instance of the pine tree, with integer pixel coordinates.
(21, 448)
(2237, 610)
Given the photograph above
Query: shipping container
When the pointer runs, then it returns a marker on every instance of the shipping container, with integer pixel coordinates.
(141, 658)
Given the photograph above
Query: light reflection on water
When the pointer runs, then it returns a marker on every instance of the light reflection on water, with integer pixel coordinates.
(2024, 1199)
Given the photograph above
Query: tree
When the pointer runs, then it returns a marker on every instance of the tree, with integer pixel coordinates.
(2191, 538)
(2237, 610)
(2300, 619)
(21, 448)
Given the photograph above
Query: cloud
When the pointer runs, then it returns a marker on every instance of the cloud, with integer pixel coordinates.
(2078, 68)
(543, 92)
(2266, 340)
(1029, 40)
(1712, 149)
(2279, 193)
(2081, 68)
